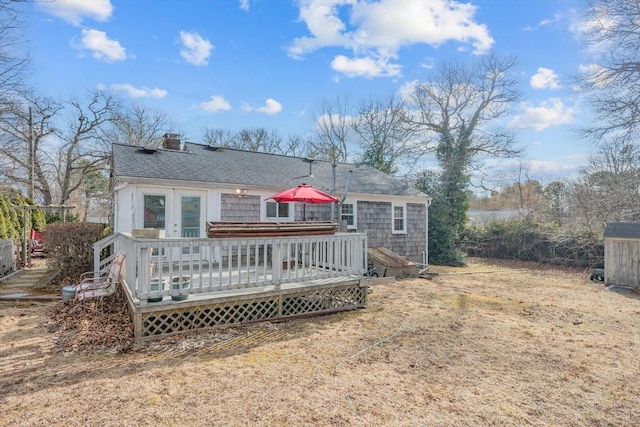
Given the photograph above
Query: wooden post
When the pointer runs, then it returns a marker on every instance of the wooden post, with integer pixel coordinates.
(26, 239)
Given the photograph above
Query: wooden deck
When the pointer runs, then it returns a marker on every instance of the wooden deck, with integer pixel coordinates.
(177, 285)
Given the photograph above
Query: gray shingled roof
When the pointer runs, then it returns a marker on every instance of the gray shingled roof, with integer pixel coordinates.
(623, 230)
(200, 163)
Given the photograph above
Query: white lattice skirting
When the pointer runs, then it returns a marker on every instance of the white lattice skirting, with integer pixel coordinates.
(155, 322)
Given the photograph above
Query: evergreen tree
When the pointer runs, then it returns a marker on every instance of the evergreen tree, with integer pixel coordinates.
(443, 230)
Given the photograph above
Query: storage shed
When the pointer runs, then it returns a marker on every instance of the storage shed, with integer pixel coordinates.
(622, 254)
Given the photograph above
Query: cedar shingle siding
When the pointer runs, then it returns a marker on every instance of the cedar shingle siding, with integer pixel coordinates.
(317, 212)
(375, 219)
(240, 209)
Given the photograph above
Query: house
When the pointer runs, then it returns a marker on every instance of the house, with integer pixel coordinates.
(98, 216)
(622, 254)
(182, 272)
(181, 186)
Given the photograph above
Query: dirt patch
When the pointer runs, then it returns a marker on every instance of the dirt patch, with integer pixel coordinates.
(482, 345)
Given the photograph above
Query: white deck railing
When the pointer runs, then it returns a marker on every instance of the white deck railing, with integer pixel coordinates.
(156, 269)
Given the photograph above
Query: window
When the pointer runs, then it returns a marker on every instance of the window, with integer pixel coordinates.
(399, 220)
(277, 210)
(190, 221)
(348, 214)
(154, 212)
(154, 215)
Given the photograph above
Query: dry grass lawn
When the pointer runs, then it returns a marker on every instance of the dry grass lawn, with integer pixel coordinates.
(482, 345)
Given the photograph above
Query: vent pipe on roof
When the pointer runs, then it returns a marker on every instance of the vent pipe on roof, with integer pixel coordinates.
(310, 161)
(171, 141)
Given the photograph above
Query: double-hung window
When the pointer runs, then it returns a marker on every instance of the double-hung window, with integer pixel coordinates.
(348, 214)
(277, 210)
(399, 218)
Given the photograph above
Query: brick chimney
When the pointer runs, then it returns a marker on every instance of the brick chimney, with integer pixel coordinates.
(171, 141)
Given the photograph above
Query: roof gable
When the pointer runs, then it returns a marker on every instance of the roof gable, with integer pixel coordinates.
(623, 230)
(218, 165)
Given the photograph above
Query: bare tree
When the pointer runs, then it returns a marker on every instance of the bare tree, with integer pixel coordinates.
(608, 189)
(257, 139)
(332, 125)
(82, 149)
(387, 135)
(138, 125)
(457, 110)
(611, 30)
(26, 130)
(295, 145)
(219, 137)
(13, 54)
(47, 158)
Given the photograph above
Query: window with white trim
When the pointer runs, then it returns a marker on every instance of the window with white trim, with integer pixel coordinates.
(275, 210)
(348, 214)
(154, 214)
(399, 218)
(154, 211)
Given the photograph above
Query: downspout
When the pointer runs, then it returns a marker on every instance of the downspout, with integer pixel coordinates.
(333, 190)
(426, 249)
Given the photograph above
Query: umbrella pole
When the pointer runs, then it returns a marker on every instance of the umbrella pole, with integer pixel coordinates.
(304, 211)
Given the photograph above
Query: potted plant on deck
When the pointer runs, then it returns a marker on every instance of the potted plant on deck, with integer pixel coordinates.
(178, 286)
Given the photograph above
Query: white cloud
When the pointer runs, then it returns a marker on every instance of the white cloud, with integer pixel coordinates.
(560, 167)
(270, 108)
(195, 49)
(548, 21)
(326, 120)
(545, 78)
(101, 46)
(498, 172)
(546, 114)
(377, 30)
(407, 89)
(557, 17)
(244, 5)
(216, 103)
(74, 11)
(364, 67)
(139, 92)
(428, 63)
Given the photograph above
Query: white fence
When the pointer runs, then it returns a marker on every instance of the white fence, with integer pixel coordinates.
(156, 269)
(7, 257)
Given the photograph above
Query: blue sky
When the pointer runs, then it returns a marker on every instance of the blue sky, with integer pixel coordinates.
(234, 64)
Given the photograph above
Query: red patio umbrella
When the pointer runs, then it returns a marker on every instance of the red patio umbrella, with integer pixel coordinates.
(304, 193)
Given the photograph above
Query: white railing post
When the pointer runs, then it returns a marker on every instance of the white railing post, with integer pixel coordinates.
(143, 263)
(276, 263)
(362, 261)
